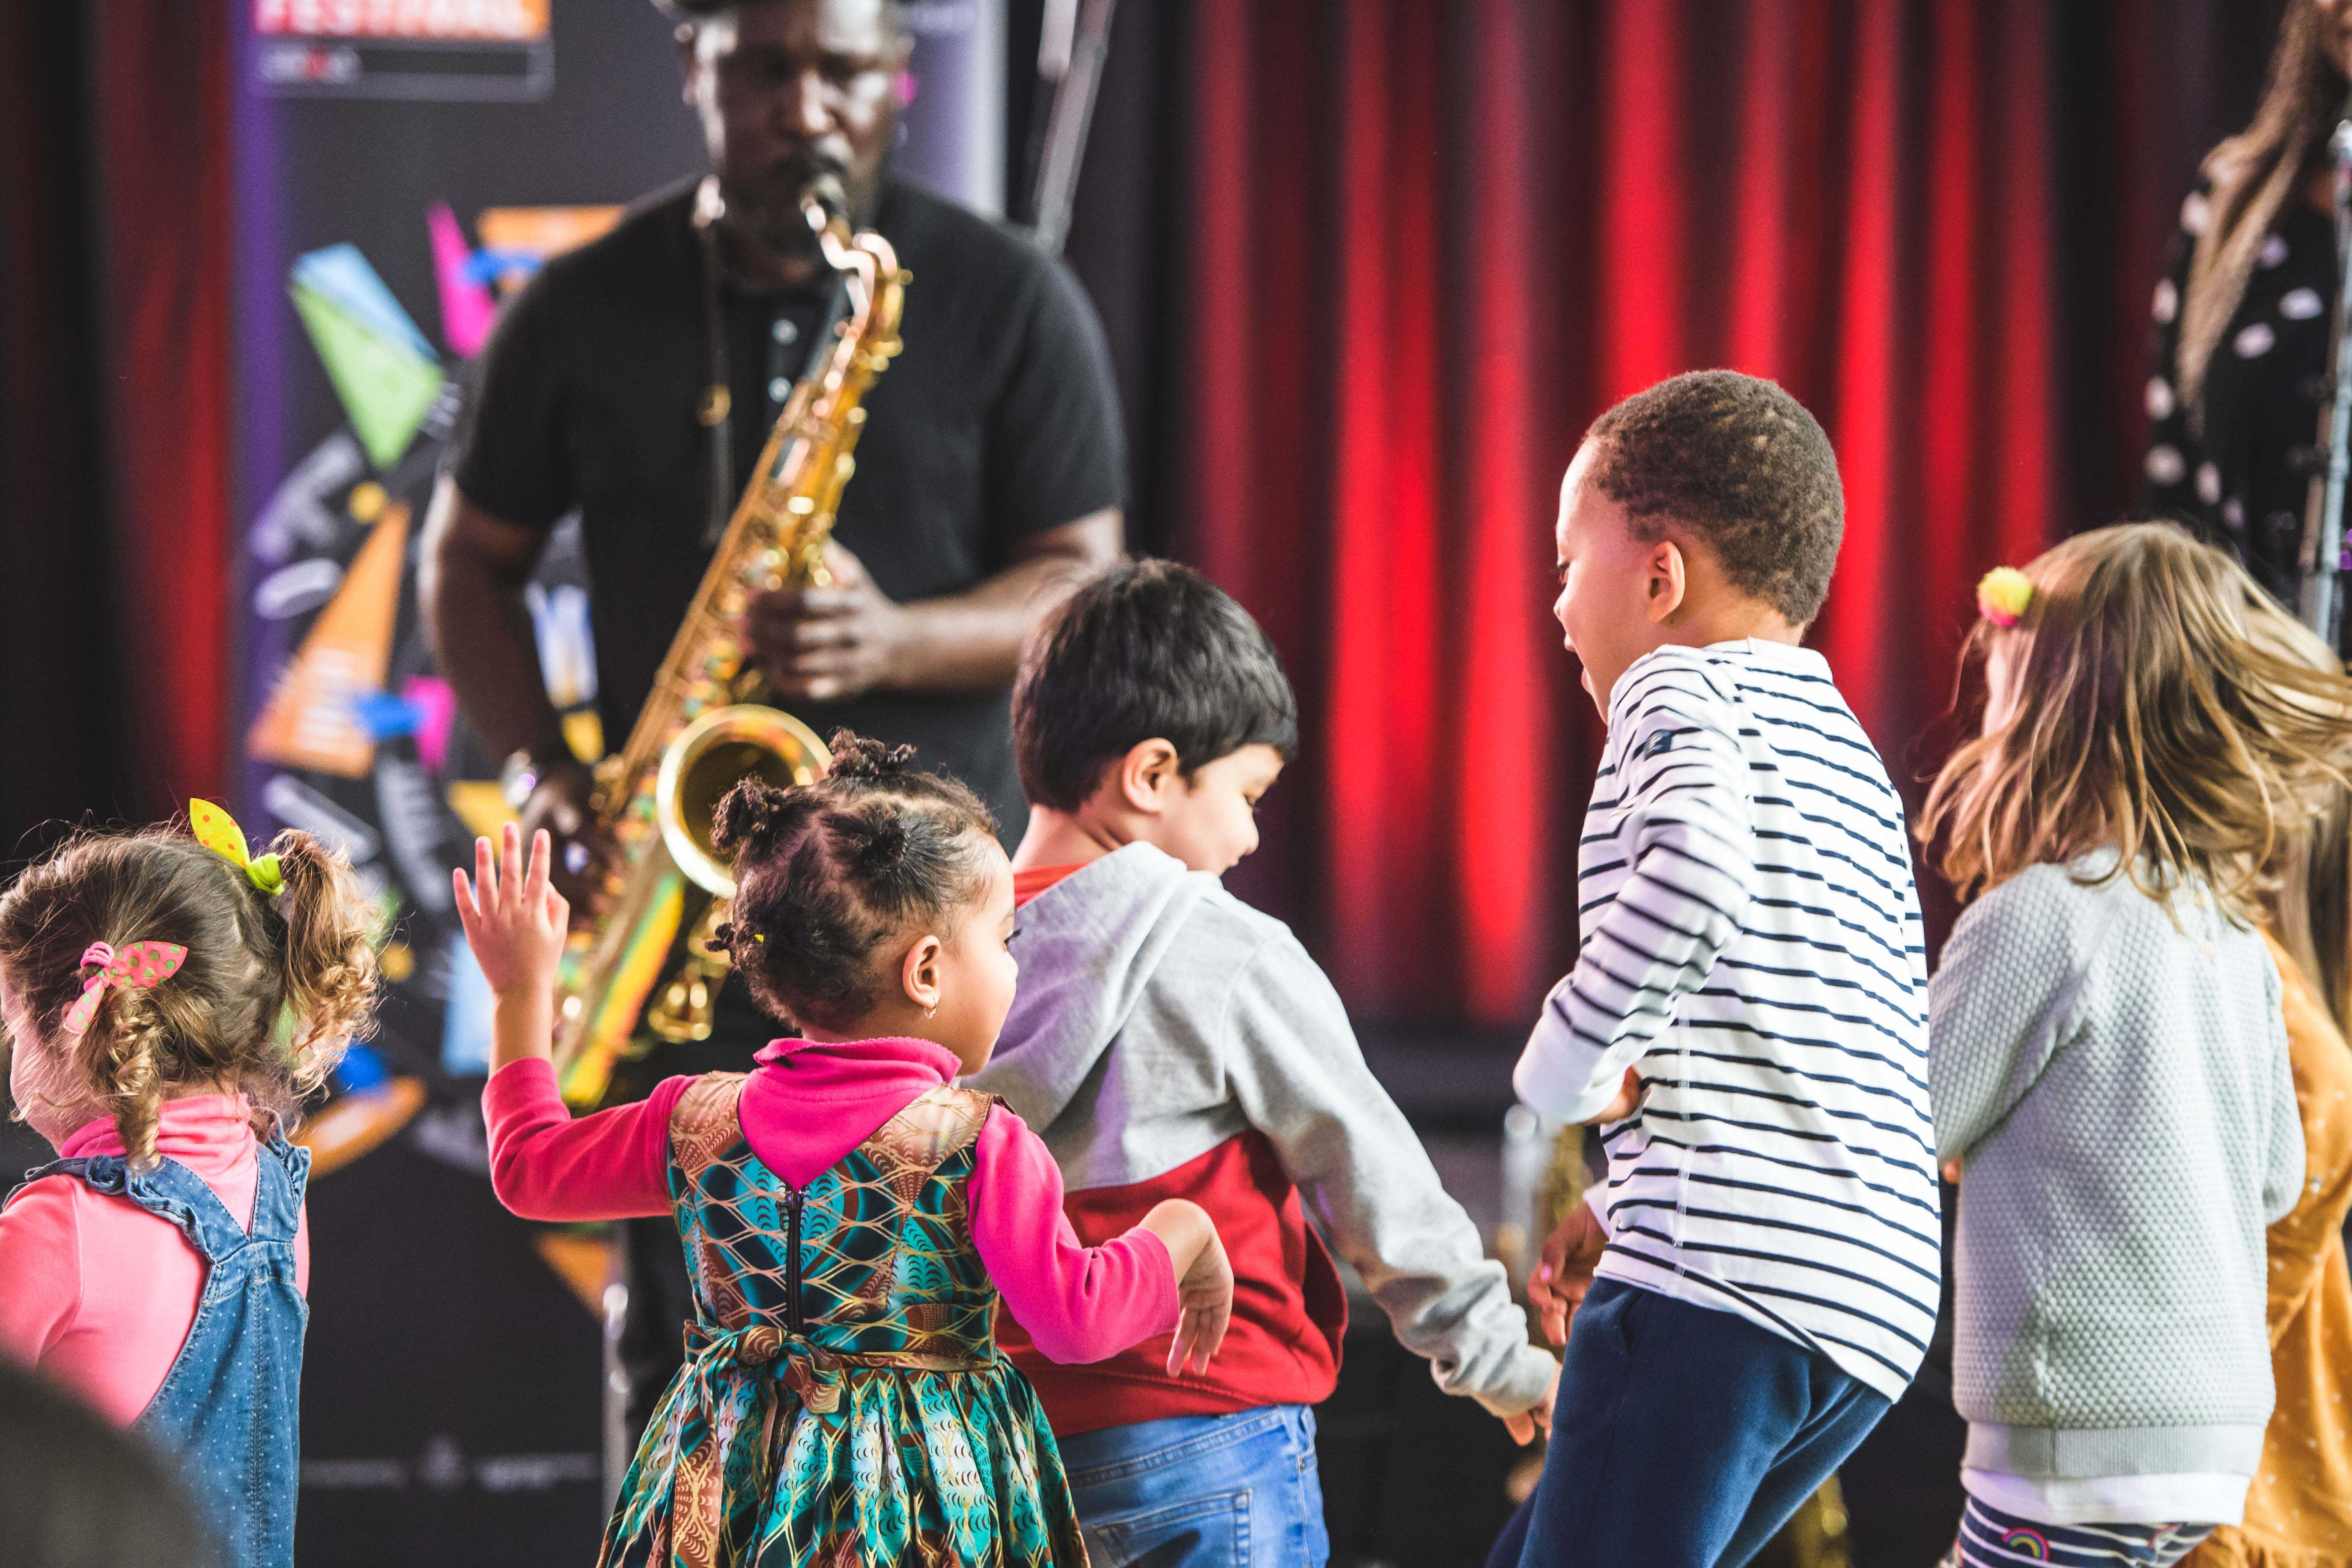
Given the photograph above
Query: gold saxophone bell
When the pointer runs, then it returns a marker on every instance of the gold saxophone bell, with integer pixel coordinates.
(707, 758)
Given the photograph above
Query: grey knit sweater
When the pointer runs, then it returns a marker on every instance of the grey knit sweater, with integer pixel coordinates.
(2113, 1074)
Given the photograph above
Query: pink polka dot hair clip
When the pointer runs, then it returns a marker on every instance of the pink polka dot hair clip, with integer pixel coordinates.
(140, 964)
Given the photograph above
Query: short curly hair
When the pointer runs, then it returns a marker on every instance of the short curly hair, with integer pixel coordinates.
(1740, 464)
(827, 872)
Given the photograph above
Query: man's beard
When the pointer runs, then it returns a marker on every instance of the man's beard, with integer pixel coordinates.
(770, 210)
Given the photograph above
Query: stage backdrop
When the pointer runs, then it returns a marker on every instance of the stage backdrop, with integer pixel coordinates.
(398, 170)
(1331, 239)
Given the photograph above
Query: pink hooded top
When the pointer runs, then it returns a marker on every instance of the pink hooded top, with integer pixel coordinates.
(807, 1106)
(99, 1293)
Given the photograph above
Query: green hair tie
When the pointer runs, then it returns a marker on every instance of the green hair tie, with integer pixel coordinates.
(218, 832)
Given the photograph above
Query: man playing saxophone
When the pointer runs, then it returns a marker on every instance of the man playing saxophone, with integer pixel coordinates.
(635, 382)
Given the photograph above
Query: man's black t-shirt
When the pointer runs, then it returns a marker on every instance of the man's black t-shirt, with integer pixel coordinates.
(997, 420)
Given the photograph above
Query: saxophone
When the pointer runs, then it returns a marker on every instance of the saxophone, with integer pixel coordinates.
(706, 727)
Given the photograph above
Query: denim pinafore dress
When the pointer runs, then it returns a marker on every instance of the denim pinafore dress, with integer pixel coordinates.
(229, 1408)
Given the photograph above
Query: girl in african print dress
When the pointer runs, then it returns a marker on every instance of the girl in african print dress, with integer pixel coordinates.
(851, 1218)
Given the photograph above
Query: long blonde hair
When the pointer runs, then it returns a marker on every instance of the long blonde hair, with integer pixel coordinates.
(2136, 705)
(2252, 176)
(2308, 905)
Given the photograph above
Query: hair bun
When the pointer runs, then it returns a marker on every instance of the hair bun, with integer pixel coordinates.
(755, 817)
(856, 757)
(885, 844)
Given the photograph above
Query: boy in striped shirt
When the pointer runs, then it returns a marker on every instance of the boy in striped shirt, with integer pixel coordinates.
(1756, 1280)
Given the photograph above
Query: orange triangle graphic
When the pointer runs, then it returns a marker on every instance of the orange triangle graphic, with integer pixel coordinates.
(308, 721)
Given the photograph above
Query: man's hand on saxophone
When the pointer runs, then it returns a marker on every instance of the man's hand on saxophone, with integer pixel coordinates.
(833, 643)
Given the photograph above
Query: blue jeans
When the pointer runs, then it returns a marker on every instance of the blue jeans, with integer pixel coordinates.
(1684, 1437)
(1194, 1491)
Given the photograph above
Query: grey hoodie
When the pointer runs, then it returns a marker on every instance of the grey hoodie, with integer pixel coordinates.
(1159, 1017)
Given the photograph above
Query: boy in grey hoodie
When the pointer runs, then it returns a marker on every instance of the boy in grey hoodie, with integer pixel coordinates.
(1168, 1040)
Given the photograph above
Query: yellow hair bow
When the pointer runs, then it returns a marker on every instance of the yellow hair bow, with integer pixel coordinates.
(219, 831)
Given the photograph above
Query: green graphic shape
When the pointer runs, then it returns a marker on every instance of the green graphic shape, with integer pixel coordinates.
(386, 387)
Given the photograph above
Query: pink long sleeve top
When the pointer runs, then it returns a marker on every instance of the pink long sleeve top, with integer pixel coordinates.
(804, 1108)
(99, 1293)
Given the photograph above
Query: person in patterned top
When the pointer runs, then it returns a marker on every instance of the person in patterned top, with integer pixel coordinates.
(2244, 318)
(851, 1220)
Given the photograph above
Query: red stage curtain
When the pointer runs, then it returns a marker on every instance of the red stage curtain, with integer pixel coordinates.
(1427, 245)
(161, 140)
(116, 561)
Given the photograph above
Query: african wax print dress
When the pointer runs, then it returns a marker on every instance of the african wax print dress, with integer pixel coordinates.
(843, 1402)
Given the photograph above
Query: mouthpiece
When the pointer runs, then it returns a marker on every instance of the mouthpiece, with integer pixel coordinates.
(824, 202)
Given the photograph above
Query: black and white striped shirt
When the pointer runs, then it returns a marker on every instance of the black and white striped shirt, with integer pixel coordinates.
(1752, 944)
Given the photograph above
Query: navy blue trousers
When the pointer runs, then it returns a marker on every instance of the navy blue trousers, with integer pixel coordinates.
(1683, 1437)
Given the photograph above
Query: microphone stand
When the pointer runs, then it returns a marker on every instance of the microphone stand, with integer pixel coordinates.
(2322, 602)
(1075, 40)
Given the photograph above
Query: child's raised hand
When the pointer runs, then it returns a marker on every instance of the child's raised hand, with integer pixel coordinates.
(514, 920)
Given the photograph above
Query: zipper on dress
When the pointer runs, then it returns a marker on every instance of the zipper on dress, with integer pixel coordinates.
(792, 1259)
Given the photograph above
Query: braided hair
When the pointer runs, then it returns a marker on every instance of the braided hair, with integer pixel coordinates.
(825, 873)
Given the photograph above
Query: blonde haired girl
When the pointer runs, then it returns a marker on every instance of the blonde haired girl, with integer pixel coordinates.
(168, 1000)
(2299, 1507)
(2109, 1062)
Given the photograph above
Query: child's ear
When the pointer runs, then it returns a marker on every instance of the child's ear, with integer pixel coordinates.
(919, 972)
(1665, 581)
(1145, 775)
